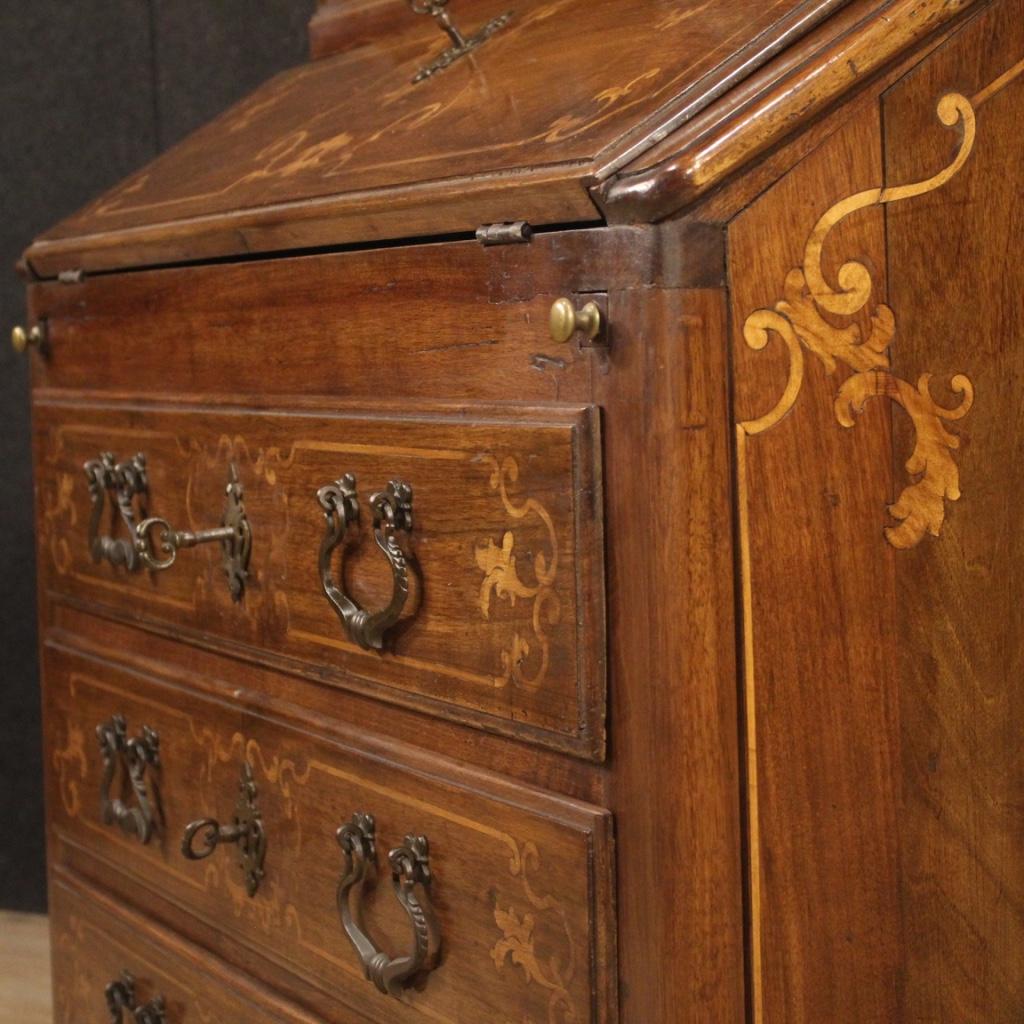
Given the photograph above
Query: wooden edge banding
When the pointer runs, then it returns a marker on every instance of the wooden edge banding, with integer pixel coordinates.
(781, 37)
(771, 105)
(750, 733)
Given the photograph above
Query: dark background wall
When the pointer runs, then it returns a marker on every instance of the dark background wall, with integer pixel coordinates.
(89, 91)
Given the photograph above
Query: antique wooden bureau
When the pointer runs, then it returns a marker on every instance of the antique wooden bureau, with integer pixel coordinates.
(528, 528)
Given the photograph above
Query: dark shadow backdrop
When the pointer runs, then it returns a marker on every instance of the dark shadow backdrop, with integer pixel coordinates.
(89, 92)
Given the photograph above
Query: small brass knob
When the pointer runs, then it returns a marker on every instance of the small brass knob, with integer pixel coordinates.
(566, 320)
(21, 339)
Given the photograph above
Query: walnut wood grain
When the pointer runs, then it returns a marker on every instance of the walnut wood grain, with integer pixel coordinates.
(955, 275)
(863, 683)
(325, 312)
(806, 599)
(818, 579)
(505, 621)
(348, 149)
(782, 98)
(675, 780)
(521, 878)
(359, 325)
(330, 710)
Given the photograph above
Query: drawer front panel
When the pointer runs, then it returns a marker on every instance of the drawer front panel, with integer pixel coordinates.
(521, 880)
(458, 320)
(503, 622)
(96, 942)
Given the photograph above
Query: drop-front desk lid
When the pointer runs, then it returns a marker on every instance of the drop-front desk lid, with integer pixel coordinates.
(536, 123)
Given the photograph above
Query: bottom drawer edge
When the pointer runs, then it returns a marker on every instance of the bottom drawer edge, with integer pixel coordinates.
(109, 960)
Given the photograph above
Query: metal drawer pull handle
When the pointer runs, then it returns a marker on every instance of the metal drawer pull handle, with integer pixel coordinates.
(154, 543)
(134, 756)
(410, 868)
(124, 482)
(246, 830)
(121, 996)
(392, 514)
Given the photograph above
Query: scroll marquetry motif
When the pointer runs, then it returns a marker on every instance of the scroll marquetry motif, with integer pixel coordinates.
(552, 971)
(799, 319)
(502, 580)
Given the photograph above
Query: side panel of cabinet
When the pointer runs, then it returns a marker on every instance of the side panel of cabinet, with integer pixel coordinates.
(956, 278)
(877, 314)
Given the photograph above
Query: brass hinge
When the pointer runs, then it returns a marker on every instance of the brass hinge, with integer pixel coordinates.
(515, 233)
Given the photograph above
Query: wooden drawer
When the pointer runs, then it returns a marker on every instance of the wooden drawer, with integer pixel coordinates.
(521, 879)
(96, 941)
(418, 322)
(503, 625)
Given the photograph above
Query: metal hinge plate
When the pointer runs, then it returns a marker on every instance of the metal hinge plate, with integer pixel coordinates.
(511, 233)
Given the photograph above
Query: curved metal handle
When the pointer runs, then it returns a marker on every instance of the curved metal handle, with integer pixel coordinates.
(134, 756)
(245, 831)
(124, 482)
(120, 996)
(153, 542)
(392, 514)
(410, 869)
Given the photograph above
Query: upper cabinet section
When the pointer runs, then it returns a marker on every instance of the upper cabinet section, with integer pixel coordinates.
(556, 99)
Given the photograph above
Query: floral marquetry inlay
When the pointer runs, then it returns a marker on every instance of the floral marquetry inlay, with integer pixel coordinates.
(525, 661)
(801, 320)
(551, 969)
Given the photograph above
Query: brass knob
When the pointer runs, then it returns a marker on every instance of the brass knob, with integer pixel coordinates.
(566, 320)
(21, 339)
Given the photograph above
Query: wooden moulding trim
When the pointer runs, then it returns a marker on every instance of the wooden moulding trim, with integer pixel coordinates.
(339, 26)
(779, 38)
(550, 195)
(777, 101)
